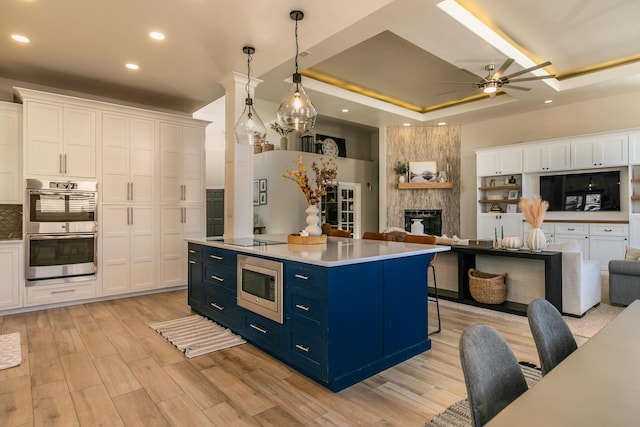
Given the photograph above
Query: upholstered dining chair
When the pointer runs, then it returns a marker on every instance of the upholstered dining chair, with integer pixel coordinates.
(492, 374)
(428, 240)
(372, 235)
(553, 338)
(339, 233)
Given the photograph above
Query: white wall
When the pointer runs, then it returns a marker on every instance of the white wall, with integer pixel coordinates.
(599, 115)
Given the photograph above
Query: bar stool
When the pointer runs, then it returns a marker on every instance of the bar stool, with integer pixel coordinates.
(428, 240)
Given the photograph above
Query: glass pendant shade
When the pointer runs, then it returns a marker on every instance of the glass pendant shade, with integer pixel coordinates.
(250, 129)
(296, 110)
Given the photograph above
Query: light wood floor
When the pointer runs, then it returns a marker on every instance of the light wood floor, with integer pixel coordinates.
(99, 364)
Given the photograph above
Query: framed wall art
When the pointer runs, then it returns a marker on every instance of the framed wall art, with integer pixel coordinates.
(423, 171)
(256, 192)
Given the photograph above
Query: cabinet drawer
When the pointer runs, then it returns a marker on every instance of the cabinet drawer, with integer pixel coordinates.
(306, 307)
(308, 351)
(304, 276)
(194, 252)
(217, 256)
(572, 228)
(261, 331)
(619, 230)
(220, 275)
(220, 305)
(49, 294)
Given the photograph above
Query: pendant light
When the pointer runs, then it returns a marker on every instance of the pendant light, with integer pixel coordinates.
(250, 129)
(296, 110)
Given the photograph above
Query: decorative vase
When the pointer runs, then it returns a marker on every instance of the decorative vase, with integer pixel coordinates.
(283, 142)
(401, 178)
(417, 227)
(536, 241)
(313, 220)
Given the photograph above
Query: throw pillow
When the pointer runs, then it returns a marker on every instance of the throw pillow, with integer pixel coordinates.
(632, 253)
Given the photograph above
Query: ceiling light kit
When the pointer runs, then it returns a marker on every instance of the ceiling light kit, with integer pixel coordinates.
(296, 110)
(250, 129)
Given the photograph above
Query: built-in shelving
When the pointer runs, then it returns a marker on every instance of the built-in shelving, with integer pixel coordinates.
(501, 187)
(498, 200)
(416, 185)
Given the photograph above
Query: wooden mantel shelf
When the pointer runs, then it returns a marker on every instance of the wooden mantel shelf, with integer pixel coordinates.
(415, 185)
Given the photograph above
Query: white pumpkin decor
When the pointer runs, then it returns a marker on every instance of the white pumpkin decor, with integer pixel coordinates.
(512, 242)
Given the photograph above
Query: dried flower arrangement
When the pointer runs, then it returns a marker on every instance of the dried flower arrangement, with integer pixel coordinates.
(533, 211)
(280, 130)
(326, 174)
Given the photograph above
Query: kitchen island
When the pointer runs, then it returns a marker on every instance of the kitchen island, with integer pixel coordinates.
(350, 308)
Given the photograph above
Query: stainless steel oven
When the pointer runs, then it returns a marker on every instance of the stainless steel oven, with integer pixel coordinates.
(61, 231)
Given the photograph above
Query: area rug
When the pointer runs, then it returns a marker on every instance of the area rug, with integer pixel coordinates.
(459, 414)
(10, 353)
(196, 335)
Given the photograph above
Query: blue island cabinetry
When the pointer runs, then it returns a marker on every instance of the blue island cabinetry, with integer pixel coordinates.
(341, 323)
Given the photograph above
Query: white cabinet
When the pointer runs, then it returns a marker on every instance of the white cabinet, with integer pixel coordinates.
(128, 245)
(577, 232)
(176, 224)
(634, 148)
(60, 141)
(11, 186)
(634, 230)
(607, 242)
(11, 280)
(553, 156)
(502, 161)
(491, 226)
(128, 159)
(181, 163)
(600, 151)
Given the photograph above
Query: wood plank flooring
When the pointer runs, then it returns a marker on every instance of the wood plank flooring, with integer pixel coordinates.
(100, 364)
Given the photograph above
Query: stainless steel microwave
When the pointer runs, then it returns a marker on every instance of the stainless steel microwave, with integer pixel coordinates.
(260, 286)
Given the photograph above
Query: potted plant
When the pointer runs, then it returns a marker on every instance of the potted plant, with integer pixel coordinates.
(401, 169)
(283, 132)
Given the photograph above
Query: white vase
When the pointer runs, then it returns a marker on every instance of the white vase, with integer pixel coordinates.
(401, 178)
(417, 227)
(313, 220)
(536, 240)
(283, 142)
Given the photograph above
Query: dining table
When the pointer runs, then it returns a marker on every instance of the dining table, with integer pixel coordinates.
(596, 385)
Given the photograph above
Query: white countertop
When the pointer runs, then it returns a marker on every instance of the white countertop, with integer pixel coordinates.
(10, 241)
(337, 251)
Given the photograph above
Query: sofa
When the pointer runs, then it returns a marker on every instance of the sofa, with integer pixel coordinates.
(581, 282)
(624, 281)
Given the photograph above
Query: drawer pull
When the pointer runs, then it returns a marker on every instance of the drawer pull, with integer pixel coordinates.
(216, 257)
(302, 307)
(300, 276)
(608, 230)
(257, 328)
(219, 279)
(191, 251)
(63, 292)
(303, 348)
(216, 306)
(191, 261)
(571, 229)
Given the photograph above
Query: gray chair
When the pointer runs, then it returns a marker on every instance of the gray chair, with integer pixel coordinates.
(624, 281)
(492, 374)
(551, 334)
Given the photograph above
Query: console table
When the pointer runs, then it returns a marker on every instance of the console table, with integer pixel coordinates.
(552, 272)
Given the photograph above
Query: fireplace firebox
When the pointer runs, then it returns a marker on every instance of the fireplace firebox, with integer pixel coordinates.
(431, 219)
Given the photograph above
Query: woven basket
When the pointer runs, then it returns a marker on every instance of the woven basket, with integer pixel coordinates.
(488, 288)
(267, 147)
(257, 149)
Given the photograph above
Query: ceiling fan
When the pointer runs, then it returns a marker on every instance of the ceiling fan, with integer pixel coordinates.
(496, 80)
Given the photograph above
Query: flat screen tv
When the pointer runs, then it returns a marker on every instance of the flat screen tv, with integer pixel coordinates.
(587, 192)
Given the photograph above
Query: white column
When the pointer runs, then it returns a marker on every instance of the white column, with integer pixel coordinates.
(238, 171)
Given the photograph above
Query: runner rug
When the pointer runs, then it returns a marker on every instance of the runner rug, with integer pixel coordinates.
(10, 353)
(196, 335)
(459, 414)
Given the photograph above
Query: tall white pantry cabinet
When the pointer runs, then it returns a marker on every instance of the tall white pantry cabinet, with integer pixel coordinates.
(151, 182)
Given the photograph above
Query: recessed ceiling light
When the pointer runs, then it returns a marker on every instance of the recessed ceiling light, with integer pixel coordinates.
(156, 35)
(442, 123)
(132, 66)
(345, 110)
(20, 38)
(406, 124)
(548, 101)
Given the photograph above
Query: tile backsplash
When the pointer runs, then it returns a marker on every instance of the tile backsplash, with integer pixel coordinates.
(10, 222)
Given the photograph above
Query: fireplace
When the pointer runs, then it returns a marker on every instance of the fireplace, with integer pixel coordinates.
(431, 219)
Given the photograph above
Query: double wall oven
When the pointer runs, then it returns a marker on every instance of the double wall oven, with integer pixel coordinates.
(61, 228)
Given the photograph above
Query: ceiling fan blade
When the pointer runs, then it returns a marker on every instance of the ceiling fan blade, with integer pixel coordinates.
(449, 92)
(526, 79)
(526, 70)
(475, 76)
(516, 87)
(502, 69)
(467, 94)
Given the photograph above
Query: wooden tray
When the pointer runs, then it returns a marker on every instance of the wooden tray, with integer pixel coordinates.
(307, 240)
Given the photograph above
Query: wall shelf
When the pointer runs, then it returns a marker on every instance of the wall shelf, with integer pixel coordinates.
(416, 185)
(501, 187)
(499, 200)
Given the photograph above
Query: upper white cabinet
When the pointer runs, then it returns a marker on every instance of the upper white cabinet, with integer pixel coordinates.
(11, 187)
(634, 148)
(60, 141)
(501, 161)
(552, 156)
(181, 163)
(128, 150)
(600, 151)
